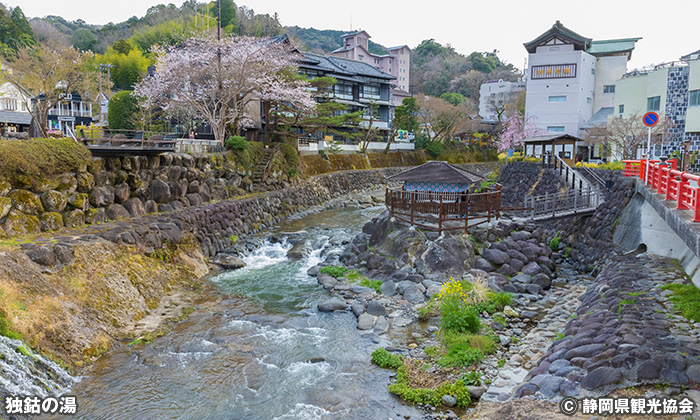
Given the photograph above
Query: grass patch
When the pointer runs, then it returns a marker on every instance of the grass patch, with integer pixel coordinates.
(465, 349)
(148, 337)
(686, 299)
(334, 270)
(354, 275)
(372, 284)
(417, 387)
(623, 303)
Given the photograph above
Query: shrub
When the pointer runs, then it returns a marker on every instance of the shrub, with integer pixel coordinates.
(237, 143)
(290, 154)
(554, 243)
(122, 106)
(23, 159)
(382, 358)
(334, 270)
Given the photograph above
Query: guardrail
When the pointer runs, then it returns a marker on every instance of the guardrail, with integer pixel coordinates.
(419, 207)
(667, 180)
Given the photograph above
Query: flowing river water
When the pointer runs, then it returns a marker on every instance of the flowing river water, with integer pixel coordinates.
(255, 348)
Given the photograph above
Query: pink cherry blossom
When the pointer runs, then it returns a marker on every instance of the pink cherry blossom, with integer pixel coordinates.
(225, 80)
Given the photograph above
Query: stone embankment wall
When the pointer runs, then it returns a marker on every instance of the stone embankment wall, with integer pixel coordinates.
(118, 188)
(589, 240)
(216, 226)
(521, 179)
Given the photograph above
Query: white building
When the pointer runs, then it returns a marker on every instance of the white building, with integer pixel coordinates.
(495, 94)
(571, 78)
(14, 116)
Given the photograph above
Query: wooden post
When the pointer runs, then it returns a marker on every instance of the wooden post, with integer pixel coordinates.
(466, 214)
(440, 217)
(412, 200)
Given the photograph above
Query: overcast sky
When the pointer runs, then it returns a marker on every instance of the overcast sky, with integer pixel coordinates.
(669, 28)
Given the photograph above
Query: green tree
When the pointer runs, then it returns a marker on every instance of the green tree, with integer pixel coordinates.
(20, 21)
(454, 98)
(122, 47)
(122, 107)
(229, 16)
(127, 69)
(482, 63)
(84, 40)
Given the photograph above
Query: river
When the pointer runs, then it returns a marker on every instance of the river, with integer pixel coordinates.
(256, 347)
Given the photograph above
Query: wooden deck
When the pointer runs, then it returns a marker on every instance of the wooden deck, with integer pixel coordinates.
(105, 142)
(444, 211)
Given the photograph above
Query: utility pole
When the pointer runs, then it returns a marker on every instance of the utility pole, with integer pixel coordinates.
(218, 23)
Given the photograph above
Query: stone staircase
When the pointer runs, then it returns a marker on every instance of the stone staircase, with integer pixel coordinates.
(258, 175)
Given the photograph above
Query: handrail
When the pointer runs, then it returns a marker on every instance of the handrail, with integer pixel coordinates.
(442, 207)
(593, 175)
(667, 180)
(550, 161)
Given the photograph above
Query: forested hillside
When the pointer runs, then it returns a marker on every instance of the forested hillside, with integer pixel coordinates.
(324, 41)
(124, 47)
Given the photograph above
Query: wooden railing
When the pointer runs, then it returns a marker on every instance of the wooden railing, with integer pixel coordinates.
(104, 138)
(681, 187)
(442, 211)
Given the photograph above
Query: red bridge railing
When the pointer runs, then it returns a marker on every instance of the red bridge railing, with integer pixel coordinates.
(664, 178)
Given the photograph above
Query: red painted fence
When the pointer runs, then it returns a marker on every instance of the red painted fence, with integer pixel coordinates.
(681, 187)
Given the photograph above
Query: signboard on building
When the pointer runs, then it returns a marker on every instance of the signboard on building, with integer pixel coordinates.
(62, 118)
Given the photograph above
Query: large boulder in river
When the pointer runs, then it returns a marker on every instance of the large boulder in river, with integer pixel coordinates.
(332, 305)
(299, 250)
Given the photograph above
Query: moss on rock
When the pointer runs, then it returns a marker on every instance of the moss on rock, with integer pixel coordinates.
(27, 202)
(18, 223)
(51, 222)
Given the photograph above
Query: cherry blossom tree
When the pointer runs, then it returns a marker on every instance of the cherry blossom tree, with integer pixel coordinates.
(516, 129)
(224, 80)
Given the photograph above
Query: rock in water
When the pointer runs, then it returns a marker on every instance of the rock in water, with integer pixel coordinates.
(332, 305)
(365, 322)
(381, 326)
(232, 262)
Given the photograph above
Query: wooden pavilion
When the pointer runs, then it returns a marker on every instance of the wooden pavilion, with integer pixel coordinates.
(563, 145)
(440, 196)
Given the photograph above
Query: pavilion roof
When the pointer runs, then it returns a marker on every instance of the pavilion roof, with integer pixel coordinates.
(437, 171)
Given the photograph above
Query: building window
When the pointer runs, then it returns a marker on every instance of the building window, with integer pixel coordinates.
(557, 71)
(589, 100)
(555, 128)
(593, 72)
(361, 57)
(621, 109)
(557, 98)
(654, 104)
(609, 89)
(694, 98)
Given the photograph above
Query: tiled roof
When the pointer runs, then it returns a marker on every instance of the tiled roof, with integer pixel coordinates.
(437, 171)
(345, 66)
